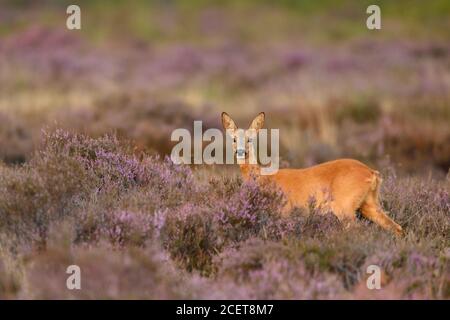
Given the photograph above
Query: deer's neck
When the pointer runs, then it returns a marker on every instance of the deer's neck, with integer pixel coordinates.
(249, 170)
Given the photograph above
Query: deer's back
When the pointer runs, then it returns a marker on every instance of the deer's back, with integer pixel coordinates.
(331, 179)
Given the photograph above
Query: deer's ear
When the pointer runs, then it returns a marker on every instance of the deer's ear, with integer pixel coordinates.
(227, 122)
(258, 122)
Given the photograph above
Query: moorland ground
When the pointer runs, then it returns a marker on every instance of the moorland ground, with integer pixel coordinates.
(85, 123)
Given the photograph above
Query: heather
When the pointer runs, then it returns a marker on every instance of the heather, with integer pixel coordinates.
(85, 124)
(124, 218)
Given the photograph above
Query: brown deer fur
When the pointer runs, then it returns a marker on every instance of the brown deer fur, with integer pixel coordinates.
(343, 186)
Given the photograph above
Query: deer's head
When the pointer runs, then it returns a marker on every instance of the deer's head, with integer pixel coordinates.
(242, 139)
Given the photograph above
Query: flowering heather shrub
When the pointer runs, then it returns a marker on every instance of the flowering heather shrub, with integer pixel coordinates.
(271, 282)
(419, 270)
(237, 262)
(225, 238)
(347, 254)
(231, 213)
(422, 206)
(50, 186)
(312, 222)
(22, 198)
(120, 228)
(107, 274)
(250, 210)
(113, 165)
(271, 270)
(103, 158)
(191, 235)
(66, 172)
(168, 184)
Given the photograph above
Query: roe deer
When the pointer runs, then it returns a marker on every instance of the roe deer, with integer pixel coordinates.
(344, 185)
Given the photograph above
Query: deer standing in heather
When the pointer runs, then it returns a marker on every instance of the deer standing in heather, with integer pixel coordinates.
(344, 185)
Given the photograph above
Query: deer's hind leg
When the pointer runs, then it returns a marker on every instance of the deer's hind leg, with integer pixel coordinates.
(346, 208)
(371, 209)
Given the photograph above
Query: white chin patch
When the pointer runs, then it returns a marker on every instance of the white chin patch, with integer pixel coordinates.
(240, 159)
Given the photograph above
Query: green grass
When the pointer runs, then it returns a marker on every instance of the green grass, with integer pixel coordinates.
(251, 20)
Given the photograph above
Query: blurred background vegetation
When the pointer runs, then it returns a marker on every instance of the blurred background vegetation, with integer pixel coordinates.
(143, 68)
(317, 20)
